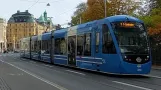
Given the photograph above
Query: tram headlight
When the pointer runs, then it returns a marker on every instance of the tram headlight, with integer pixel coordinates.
(147, 56)
(125, 57)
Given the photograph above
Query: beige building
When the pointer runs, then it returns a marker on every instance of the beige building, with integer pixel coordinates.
(23, 24)
(2, 34)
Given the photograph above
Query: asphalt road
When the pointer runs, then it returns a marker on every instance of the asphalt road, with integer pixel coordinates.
(23, 74)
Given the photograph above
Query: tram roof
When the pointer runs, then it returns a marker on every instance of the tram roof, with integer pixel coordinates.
(118, 18)
(46, 36)
(60, 33)
(34, 38)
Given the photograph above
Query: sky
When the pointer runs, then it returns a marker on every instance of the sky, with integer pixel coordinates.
(60, 10)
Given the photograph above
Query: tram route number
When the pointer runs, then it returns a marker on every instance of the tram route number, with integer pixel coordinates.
(139, 65)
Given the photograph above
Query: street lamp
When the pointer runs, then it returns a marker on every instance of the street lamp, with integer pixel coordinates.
(48, 4)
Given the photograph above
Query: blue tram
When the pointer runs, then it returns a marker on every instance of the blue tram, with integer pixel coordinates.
(117, 44)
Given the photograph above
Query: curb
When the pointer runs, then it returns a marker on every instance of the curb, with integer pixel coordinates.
(156, 68)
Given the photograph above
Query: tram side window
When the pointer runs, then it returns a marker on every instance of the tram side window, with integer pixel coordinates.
(107, 42)
(87, 45)
(60, 46)
(35, 46)
(80, 40)
(97, 42)
(63, 46)
(32, 46)
(45, 46)
(48, 46)
(84, 45)
(57, 46)
(39, 47)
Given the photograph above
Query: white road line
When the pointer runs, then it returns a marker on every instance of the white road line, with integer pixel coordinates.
(139, 87)
(76, 72)
(48, 65)
(38, 77)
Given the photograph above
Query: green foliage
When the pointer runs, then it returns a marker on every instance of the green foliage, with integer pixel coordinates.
(153, 19)
(75, 20)
(81, 8)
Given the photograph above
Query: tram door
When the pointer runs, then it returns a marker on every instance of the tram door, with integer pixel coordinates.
(72, 50)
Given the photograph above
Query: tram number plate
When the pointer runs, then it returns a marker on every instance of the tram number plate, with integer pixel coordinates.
(139, 65)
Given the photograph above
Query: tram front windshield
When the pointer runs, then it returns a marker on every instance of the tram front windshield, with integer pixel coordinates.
(131, 37)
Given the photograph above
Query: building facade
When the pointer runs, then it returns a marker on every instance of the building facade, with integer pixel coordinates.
(23, 24)
(3, 39)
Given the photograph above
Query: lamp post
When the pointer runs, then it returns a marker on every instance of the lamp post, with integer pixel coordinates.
(105, 1)
(14, 43)
(80, 20)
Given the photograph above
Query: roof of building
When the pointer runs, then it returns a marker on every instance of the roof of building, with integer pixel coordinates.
(41, 19)
(44, 19)
(21, 17)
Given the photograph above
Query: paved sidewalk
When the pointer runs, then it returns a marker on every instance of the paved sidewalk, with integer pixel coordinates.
(156, 67)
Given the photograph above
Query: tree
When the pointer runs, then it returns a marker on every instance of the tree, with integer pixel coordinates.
(153, 21)
(155, 3)
(96, 8)
(94, 11)
(81, 8)
(123, 6)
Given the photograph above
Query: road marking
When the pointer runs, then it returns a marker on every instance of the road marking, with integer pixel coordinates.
(38, 77)
(132, 85)
(48, 65)
(12, 74)
(76, 72)
(20, 74)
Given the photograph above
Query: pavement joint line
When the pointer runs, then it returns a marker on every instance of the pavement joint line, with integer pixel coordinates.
(127, 84)
(48, 65)
(32, 62)
(76, 72)
(38, 77)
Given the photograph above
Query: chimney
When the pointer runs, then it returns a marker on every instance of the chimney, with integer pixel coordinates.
(27, 11)
(18, 11)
